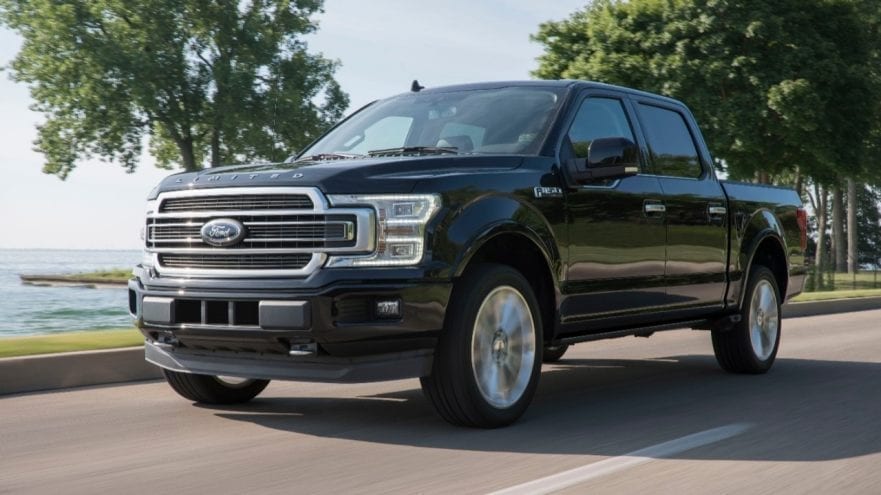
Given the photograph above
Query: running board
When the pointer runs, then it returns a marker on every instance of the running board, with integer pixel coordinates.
(638, 332)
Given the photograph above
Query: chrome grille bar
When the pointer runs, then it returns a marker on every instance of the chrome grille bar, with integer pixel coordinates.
(237, 202)
(322, 233)
(248, 261)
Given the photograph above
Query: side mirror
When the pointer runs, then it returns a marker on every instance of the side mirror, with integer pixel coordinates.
(607, 158)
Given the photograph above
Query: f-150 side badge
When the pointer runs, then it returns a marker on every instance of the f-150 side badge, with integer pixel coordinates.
(547, 192)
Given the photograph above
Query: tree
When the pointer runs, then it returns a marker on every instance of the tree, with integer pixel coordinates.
(853, 262)
(205, 82)
(839, 248)
(775, 85)
(869, 222)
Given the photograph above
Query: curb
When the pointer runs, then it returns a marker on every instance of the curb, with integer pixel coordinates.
(74, 369)
(78, 369)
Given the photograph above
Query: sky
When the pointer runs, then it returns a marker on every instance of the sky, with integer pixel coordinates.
(382, 46)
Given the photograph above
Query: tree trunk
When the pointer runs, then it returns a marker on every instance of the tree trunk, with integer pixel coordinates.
(838, 246)
(820, 211)
(799, 182)
(215, 147)
(852, 246)
(763, 178)
(187, 154)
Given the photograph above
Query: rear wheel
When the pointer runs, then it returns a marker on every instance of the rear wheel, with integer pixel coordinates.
(488, 360)
(751, 345)
(208, 389)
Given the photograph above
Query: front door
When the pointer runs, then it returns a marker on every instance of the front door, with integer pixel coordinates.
(616, 230)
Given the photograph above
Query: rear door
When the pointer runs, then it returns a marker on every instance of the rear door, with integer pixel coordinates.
(616, 245)
(696, 215)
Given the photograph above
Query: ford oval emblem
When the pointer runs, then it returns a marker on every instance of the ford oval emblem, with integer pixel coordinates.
(223, 232)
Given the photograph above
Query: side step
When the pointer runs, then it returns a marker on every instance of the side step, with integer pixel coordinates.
(639, 331)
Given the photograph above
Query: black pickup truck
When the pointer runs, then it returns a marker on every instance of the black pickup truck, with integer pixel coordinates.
(463, 235)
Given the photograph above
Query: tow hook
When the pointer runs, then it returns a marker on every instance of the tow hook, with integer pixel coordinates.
(301, 350)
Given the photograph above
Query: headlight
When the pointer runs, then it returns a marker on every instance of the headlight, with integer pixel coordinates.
(147, 257)
(400, 227)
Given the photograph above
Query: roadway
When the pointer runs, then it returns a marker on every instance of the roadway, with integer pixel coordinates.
(630, 415)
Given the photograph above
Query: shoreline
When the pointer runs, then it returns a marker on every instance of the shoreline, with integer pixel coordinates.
(85, 280)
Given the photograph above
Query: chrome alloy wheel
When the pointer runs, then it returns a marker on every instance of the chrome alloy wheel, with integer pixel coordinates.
(764, 320)
(233, 381)
(503, 346)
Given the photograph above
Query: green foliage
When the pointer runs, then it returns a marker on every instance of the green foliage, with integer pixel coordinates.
(775, 85)
(207, 82)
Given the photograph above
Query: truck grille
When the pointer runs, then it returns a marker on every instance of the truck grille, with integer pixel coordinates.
(236, 261)
(287, 232)
(238, 202)
(280, 231)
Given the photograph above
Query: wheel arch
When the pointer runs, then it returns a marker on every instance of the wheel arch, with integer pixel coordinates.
(767, 249)
(516, 235)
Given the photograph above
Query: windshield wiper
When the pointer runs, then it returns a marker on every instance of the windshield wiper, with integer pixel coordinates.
(433, 150)
(327, 156)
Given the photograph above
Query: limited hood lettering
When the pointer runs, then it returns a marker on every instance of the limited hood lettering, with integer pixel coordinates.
(233, 177)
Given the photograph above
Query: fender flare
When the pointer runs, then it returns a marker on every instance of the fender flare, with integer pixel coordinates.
(488, 216)
(762, 226)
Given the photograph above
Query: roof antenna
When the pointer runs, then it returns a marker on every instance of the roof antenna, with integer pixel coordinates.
(415, 87)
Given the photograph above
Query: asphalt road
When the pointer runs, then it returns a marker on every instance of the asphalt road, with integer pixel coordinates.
(630, 415)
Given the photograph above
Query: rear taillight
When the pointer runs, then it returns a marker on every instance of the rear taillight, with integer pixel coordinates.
(802, 217)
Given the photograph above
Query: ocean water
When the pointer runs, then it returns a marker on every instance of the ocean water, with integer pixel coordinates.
(33, 310)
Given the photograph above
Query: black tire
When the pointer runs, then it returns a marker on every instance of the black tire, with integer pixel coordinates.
(553, 353)
(206, 389)
(734, 348)
(453, 386)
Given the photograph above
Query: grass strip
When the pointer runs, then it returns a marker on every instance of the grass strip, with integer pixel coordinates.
(69, 342)
(836, 294)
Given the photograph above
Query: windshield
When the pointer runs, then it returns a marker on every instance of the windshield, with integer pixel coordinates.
(510, 120)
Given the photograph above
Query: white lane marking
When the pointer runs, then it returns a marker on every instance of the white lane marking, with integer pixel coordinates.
(559, 481)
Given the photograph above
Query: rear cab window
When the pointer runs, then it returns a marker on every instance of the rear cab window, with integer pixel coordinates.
(671, 145)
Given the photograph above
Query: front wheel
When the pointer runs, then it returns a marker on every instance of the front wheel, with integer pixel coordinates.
(207, 389)
(488, 360)
(751, 345)
(553, 353)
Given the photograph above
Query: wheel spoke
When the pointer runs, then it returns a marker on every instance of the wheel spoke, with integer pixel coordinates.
(766, 298)
(507, 321)
(491, 377)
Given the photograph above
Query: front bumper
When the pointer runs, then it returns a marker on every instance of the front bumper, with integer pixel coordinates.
(391, 366)
(332, 333)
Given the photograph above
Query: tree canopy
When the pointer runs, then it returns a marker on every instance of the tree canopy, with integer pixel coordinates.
(775, 85)
(204, 82)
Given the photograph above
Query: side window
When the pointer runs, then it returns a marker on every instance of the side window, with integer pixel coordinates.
(672, 147)
(598, 118)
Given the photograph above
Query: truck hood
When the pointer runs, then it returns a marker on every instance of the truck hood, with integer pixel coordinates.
(390, 175)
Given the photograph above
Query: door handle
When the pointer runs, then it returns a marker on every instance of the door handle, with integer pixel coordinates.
(654, 208)
(717, 211)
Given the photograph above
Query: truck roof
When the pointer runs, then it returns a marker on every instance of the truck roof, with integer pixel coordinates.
(556, 83)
